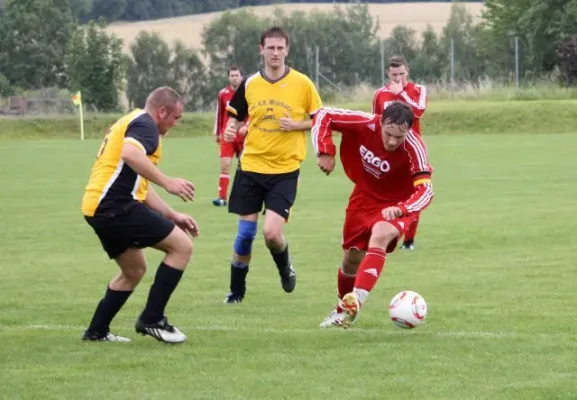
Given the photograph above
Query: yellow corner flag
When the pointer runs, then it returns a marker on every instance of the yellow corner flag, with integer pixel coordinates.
(77, 100)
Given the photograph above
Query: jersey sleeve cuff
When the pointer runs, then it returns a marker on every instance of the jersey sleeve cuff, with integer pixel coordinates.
(403, 209)
(136, 143)
(329, 149)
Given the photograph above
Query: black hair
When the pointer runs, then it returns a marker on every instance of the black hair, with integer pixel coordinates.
(234, 68)
(399, 114)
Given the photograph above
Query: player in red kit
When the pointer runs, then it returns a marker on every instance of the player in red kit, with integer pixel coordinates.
(401, 89)
(388, 164)
(227, 149)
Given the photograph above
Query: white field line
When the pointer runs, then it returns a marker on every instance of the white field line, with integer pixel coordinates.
(211, 328)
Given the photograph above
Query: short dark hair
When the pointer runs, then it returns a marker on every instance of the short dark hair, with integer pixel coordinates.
(275, 31)
(397, 61)
(164, 96)
(234, 68)
(399, 114)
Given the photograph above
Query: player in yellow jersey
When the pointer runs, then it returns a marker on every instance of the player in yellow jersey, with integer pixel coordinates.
(127, 215)
(280, 103)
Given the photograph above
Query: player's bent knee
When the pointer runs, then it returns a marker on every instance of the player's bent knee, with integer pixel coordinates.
(244, 237)
(134, 275)
(350, 268)
(272, 234)
(185, 247)
(178, 244)
(273, 228)
(382, 234)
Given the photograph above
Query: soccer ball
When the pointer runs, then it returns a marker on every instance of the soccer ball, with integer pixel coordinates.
(408, 309)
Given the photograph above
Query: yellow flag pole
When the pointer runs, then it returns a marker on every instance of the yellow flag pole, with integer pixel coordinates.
(81, 122)
(77, 100)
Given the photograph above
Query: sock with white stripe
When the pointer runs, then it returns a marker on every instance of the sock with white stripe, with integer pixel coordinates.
(369, 272)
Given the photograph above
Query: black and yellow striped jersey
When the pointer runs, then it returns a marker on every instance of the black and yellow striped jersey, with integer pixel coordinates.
(113, 183)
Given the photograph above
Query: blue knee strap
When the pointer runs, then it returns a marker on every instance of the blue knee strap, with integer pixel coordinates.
(244, 237)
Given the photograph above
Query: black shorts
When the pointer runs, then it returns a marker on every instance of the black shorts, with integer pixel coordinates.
(134, 226)
(250, 190)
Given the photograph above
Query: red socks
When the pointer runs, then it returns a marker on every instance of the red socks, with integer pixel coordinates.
(365, 279)
(369, 272)
(345, 284)
(223, 186)
(412, 229)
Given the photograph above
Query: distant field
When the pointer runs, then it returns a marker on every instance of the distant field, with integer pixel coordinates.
(189, 28)
(441, 118)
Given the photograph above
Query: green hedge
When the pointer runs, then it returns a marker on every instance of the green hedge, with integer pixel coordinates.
(447, 117)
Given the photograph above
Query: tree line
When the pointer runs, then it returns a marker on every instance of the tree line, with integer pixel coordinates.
(42, 44)
(140, 10)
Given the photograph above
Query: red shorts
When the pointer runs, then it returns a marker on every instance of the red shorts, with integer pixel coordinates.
(231, 149)
(359, 224)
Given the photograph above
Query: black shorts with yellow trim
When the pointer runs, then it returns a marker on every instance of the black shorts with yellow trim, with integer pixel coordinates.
(133, 225)
(252, 190)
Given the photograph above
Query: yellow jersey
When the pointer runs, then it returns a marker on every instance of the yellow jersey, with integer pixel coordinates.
(267, 149)
(113, 184)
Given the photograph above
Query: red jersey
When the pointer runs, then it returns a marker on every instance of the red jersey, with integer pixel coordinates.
(382, 178)
(413, 95)
(221, 118)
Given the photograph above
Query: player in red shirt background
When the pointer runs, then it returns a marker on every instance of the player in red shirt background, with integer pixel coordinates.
(227, 149)
(401, 89)
(389, 166)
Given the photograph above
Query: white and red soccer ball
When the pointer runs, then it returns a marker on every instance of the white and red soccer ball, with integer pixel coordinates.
(408, 309)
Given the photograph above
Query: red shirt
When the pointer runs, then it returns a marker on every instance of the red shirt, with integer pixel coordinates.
(412, 94)
(221, 117)
(382, 178)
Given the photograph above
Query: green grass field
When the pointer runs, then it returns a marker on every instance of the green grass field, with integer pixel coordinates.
(495, 261)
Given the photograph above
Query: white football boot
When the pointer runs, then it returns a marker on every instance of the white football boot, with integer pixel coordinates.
(334, 319)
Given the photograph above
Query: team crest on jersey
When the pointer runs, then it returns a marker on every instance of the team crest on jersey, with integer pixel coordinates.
(373, 164)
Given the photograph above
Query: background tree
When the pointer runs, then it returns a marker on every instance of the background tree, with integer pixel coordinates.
(187, 74)
(460, 31)
(34, 38)
(147, 68)
(154, 63)
(95, 66)
(566, 58)
(427, 66)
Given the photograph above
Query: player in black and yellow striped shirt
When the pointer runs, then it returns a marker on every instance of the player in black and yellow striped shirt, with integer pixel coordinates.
(279, 103)
(127, 216)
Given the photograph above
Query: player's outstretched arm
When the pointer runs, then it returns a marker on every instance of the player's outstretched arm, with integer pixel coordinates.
(327, 120)
(137, 160)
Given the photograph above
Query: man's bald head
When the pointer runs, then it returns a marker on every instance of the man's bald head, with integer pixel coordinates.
(165, 106)
(165, 97)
